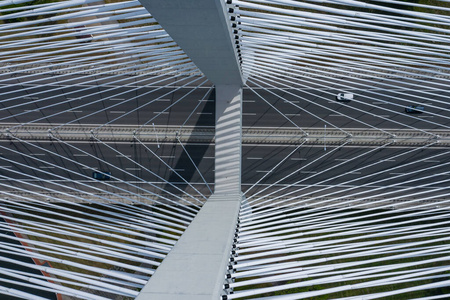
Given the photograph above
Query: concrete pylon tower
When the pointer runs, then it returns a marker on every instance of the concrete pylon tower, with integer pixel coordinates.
(196, 266)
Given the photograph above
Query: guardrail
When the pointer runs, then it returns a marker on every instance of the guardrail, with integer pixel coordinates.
(286, 136)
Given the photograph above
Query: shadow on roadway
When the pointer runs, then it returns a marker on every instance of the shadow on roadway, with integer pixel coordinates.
(199, 149)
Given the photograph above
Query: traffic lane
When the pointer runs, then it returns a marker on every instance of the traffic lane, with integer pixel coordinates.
(343, 115)
(312, 165)
(299, 109)
(312, 108)
(127, 161)
(152, 79)
(194, 106)
(133, 162)
(203, 115)
(95, 87)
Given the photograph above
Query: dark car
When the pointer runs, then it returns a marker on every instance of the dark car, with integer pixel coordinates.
(414, 109)
(101, 175)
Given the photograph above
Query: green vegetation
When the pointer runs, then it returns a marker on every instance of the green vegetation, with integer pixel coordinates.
(376, 218)
(84, 236)
(25, 6)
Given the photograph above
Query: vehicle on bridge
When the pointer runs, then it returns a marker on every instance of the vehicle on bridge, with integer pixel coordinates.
(414, 109)
(101, 175)
(344, 97)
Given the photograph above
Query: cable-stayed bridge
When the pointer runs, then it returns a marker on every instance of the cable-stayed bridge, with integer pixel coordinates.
(214, 149)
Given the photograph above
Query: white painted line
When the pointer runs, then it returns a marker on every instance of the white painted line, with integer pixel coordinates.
(163, 100)
(248, 101)
(74, 111)
(5, 166)
(161, 112)
(38, 154)
(354, 172)
(384, 116)
(387, 160)
(422, 117)
(432, 161)
(90, 168)
(294, 101)
(336, 115)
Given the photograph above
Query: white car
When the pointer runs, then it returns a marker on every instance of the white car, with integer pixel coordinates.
(344, 97)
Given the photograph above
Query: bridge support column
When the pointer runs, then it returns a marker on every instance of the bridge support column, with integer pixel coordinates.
(196, 266)
(228, 139)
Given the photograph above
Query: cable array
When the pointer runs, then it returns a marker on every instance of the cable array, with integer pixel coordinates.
(107, 148)
(83, 216)
(340, 220)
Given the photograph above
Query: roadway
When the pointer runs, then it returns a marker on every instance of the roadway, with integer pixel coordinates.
(52, 102)
(378, 107)
(60, 167)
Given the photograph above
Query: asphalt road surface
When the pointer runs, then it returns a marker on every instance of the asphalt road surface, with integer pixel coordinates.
(375, 107)
(134, 167)
(58, 166)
